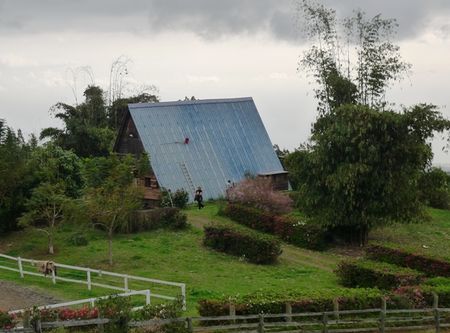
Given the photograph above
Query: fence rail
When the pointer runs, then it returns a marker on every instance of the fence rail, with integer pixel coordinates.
(370, 320)
(88, 275)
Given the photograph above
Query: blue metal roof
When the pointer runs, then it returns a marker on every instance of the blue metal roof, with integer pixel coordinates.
(226, 139)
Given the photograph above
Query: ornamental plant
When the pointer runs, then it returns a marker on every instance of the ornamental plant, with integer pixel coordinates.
(258, 193)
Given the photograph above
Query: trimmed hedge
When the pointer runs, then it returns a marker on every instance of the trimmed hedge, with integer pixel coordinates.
(254, 247)
(299, 233)
(167, 217)
(347, 299)
(429, 266)
(369, 274)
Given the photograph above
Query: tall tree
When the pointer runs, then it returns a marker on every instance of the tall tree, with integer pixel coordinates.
(86, 129)
(111, 199)
(352, 60)
(364, 166)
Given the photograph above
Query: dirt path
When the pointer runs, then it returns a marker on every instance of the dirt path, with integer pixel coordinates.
(291, 254)
(14, 297)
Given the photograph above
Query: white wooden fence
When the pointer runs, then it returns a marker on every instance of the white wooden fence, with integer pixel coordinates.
(92, 301)
(89, 273)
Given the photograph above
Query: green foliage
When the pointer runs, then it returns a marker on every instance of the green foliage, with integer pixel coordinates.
(301, 232)
(118, 309)
(112, 199)
(179, 198)
(16, 179)
(362, 78)
(6, 321)
(86, 130)
(163, 311)
(249, 245)
(166, 217)
(434, 185)
(427, 265)
(296, 164)
(369, 274)
(348, 299)
(364, 165)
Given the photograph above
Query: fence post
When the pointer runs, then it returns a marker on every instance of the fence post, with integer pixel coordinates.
(233, 313)
(288, 312)
(100, 327)
(437, 318)
(383, 315)
(261, 324)
(19, 262)
(89, 285)
(53, 276)
(183, 296)
(336, 308)
(125, 283)
(147, 297)
(190, 327)
(324, 323)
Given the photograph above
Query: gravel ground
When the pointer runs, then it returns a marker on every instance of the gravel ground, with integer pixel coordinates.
(13, 297)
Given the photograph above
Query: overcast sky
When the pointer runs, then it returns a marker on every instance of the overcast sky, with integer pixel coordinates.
(205, 48)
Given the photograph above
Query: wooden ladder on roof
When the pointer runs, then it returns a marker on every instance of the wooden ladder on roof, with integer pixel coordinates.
(187, 176)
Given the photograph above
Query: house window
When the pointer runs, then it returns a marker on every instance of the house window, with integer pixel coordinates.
(148, 182)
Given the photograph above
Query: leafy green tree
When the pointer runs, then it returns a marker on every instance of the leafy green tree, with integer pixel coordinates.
(86, 129)
(364, 166)
(352, 62)
(16, 178)
(434, 185)
(111, 200)
(45, 208)
(296, 164)
(57, 178)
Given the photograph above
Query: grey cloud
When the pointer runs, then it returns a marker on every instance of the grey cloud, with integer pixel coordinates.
(208, 18)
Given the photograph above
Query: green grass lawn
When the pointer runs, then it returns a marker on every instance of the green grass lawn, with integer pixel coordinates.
(431, 238)
(176, 256)
(180, 256)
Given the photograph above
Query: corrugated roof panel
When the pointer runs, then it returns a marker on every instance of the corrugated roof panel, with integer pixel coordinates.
(226, 139)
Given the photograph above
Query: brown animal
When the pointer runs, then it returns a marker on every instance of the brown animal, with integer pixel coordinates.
(46, 267)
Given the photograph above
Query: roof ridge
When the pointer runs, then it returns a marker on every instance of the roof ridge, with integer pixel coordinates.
(189, 102)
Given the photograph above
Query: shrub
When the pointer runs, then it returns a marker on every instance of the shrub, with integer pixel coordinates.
(252, 246)
(178, 199)
(275, 303)
(299, 232)
(258, 192)
(157, 218)
(118, 310)
(369, 274)
(6, 320)
(429, 266)
(163, 311)
(78, 239)
(434, 186)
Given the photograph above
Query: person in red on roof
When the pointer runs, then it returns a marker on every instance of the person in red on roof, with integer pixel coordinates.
(186, 141)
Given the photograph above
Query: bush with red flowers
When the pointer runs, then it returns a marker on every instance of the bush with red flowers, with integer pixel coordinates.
(6, 320)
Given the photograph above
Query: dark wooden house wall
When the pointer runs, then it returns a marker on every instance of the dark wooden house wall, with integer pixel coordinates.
(129, 141)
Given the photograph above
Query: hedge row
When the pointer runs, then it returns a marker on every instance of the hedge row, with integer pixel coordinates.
(353, 299)
(252, 246)
(429, 266)
(369, 274)
(299, 233)
(167, 217)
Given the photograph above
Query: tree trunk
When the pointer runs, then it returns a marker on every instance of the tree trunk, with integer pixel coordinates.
(50, 243)
(110, 254)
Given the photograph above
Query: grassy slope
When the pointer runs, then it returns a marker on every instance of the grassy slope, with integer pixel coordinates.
(431, 238)
(180, 256)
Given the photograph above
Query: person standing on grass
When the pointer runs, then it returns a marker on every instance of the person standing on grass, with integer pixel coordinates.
(199, 197)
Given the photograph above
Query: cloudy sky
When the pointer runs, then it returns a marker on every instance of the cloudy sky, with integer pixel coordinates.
(202, 48)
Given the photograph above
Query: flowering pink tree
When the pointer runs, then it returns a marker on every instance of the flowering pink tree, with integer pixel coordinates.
(259, 193)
